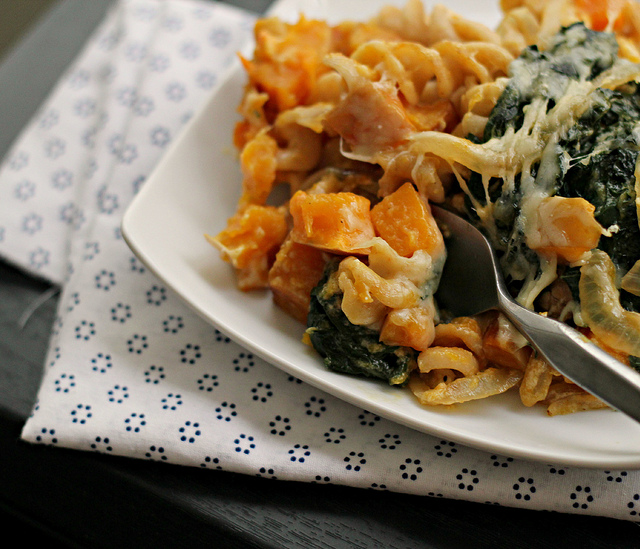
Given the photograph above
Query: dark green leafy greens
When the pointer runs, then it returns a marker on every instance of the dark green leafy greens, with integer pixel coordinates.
(346, 347)
(594, 160)
(576, 53)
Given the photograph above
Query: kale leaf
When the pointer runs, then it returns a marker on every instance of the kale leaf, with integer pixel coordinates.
(575, 53)
(346, 347)
(596, 158)
(607, 177)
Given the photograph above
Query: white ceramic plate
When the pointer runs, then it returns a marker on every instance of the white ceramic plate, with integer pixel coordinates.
(195, 189)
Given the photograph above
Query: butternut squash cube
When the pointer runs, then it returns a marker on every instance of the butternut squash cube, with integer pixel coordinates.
(565, 227)
(335, 222)
(296, 271)
(252, 233)
(258, 164)
(404, 220)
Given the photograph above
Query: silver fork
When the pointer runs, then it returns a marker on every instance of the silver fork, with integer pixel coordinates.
(472, 283)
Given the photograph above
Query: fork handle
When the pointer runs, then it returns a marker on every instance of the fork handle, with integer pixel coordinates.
(574, 356)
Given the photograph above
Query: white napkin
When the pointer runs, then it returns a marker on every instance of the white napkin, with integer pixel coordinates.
(130, 370)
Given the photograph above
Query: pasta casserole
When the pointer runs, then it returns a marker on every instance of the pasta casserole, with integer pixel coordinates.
(349, 132)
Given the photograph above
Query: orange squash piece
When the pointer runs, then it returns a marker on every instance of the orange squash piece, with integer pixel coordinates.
(258, 165)
(564, 227)
(405, 222)
(296, 271)
(251, 234)
(286, 63)
(333, 222)
(599, 12)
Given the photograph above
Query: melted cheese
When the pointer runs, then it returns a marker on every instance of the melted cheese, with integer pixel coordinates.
(516, 153)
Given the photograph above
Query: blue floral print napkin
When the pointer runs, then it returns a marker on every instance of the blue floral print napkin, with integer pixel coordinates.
(131, 371)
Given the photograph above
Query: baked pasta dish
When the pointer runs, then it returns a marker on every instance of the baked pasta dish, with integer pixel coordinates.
(531, 130)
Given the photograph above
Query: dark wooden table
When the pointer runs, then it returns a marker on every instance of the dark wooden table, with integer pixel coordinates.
(67, 498)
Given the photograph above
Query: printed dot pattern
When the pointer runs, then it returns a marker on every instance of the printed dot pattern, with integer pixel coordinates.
(131, 371)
